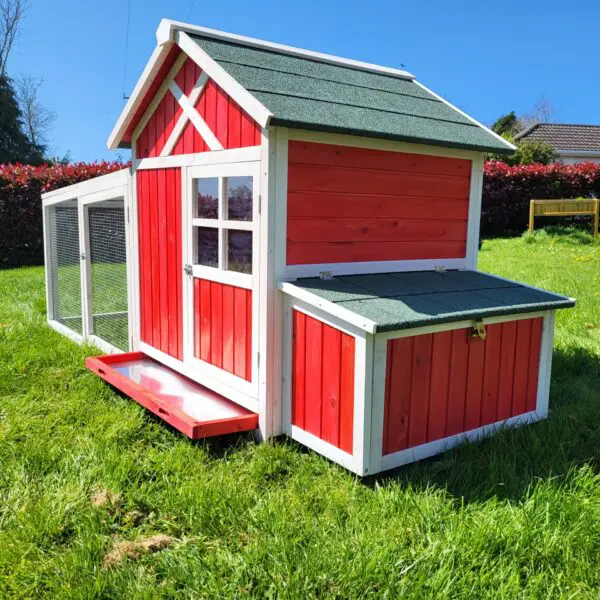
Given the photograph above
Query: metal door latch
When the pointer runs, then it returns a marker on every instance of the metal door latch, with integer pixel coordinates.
(479, 330)
(188, 270)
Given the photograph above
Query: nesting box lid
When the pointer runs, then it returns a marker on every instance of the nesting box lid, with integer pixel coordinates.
(394, 301)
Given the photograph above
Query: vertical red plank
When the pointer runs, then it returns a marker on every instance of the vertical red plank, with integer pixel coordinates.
(151, 133)
(247, 130)
(420, 390)
(205, 319)
(155, 256)
(257, 134)
(475, 363)
(228, 329)
(519, 404)
(249, 318)
(507, 368)
(458, 381)
(179, 265)
(216, 324)
(210, 116)
(491, 370)
(197, 317)
(141, 144)
(172, 270)
(222, 121)
(240, 333)
(145, 281)
(314, 369)
(235, 125)
(440, 380)
(162, 260)
(398, 395)
(298, 368)
(534, 363)
(347, 394)
(330, 407)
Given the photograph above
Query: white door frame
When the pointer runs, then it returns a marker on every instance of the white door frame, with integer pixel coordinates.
(215, 374)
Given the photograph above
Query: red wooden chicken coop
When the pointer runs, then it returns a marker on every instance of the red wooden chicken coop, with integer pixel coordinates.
(294, 250)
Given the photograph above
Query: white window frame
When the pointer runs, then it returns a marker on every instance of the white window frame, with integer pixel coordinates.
(247, 390)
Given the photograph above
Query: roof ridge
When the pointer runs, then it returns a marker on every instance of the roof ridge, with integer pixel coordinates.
(168, 28)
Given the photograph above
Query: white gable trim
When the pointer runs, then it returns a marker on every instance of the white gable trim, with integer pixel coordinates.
(224, 80)
(141, 87)
(160, 94)
(167, 31)
(464, 114)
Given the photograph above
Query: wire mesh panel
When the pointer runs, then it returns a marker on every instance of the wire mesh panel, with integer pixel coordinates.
(108, 276)
(65, 268)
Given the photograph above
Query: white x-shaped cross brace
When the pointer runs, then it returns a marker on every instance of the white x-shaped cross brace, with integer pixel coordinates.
(190, 114)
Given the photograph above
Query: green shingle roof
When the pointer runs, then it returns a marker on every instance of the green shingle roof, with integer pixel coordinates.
(414, 299)
(304, 93)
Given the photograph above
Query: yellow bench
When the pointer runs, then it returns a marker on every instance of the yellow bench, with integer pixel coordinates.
(562, 208)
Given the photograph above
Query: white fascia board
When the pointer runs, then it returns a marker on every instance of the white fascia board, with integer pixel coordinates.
(89, 186)
(590, 153)
(139, 91)
(223, 79)
(328, 307)
(464, 114)
(167, 28)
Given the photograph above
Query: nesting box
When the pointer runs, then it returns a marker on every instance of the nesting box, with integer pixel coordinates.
(301, 257)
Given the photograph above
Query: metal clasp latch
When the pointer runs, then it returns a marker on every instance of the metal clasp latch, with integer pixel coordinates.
(479, 330)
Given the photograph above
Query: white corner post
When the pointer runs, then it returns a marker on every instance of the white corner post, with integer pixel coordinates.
(273, 202)
(474, 218)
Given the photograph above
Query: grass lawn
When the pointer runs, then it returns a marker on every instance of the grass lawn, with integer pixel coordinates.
(86, 476)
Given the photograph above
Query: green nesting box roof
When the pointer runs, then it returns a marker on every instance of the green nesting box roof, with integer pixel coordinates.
(304, 93)
(415, 299)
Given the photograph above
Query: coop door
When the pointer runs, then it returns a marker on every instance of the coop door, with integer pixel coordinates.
(221, 214)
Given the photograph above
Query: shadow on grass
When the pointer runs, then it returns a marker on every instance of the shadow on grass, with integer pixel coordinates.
(508, 464)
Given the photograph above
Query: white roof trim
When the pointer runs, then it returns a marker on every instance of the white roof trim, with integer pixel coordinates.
(464, 114)
(591, 153)
(167, 28)
(223, 79)
(141, 87)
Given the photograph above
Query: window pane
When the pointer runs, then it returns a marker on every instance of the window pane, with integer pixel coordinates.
(239, 251)
(207, 191)
(239, 198)
(208, 246)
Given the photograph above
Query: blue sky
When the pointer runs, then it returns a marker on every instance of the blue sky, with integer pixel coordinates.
(486, 57)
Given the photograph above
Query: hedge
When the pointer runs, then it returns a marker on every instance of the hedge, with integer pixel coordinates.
(21, 187)
(508, 190)
(505, 205)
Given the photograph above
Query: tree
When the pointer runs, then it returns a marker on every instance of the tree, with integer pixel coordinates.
(11, 13)
(507, 125)
(37, 119)
(14, 144)
(543, 112)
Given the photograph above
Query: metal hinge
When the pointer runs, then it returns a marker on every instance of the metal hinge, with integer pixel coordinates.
(259, 204)
(479, 330)
(188, 270)
(258, 360)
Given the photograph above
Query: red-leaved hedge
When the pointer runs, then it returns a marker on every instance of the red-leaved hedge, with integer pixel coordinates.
(505, 205)
(508, 190)
(21, 187)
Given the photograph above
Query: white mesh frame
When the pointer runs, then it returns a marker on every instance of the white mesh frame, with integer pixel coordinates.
(102, 249)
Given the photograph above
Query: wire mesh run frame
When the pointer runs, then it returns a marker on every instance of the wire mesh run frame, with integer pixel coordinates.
(86, 245)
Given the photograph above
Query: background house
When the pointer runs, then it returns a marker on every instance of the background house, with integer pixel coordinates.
(573, 143)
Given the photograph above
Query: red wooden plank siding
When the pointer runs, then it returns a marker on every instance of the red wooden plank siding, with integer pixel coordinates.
(355, 204)
(441, 384)
(323, 360)
(159, 229)
(232, 126)
(223, 326)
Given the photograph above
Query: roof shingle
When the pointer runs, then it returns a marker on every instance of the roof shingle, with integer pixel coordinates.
(564, 137)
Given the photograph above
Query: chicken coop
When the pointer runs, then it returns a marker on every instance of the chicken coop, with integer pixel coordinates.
(294, 251)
